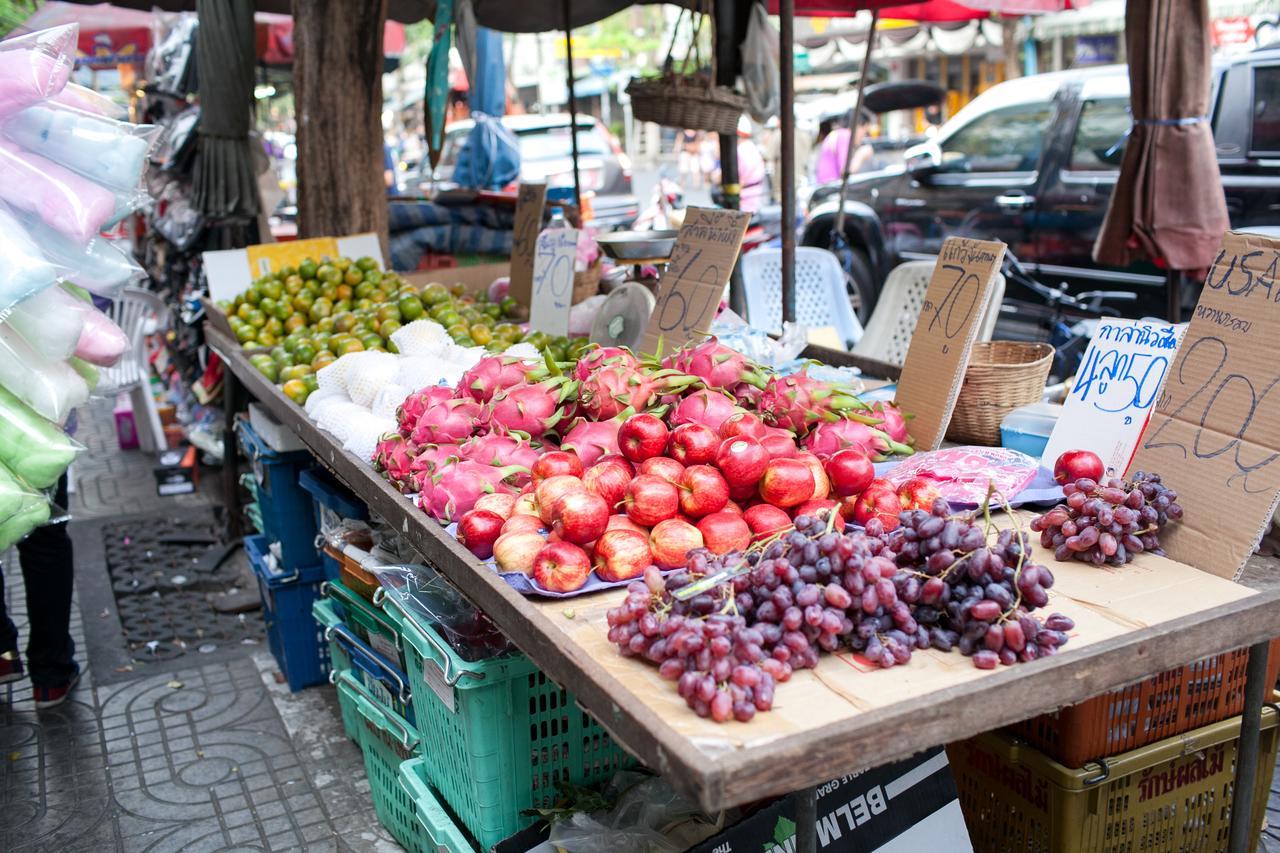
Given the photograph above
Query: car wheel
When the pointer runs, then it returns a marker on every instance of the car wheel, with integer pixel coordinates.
(857, 283)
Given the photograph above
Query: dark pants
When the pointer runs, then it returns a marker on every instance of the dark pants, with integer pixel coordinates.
(45, 557)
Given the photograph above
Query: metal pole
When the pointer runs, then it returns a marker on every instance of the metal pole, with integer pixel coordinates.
(1255, 688)
(787, 127)
(573, 111)
(853, 119)
(232, 402)
(725, 51)
(1174, 279)
(807, 817)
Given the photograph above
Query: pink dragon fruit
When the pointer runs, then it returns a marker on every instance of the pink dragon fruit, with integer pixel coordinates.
(704, 407)
(797, 401)
(601, 357)
(716, 365)
(392, 458)
(429, 459)
(533, 410)
(612, 389)
(592, 439)
(415, 404)
(499, 449)
(449, 421)
(893, 422)
(828, 439)
(454, 491)
(495, 373)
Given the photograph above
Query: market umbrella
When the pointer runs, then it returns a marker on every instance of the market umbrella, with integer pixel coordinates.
(1168, 203)
(225, 185)
(437, 97)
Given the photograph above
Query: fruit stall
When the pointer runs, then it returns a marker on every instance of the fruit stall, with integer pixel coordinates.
(763, 612)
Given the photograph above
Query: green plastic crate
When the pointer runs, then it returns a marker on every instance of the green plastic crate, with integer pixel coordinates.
(504, 736)
(339, 662)
(367, 622)
(437, 833)
(387, 740)
(378, 675)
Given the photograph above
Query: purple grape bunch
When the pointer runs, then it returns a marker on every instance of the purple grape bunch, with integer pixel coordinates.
(1108, 522)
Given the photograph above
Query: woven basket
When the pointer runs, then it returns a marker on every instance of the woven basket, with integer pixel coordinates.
(686, 102)
(587, 283)
(1002, 375)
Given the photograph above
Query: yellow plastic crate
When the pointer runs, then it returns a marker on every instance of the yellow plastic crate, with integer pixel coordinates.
(1173, 795)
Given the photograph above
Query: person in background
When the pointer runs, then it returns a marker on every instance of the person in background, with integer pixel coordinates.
(835, 147)
(751, 170)
(389, 169)
(688, 143)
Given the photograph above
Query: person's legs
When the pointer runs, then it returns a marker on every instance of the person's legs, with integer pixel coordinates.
(10, 661)
(46, 560)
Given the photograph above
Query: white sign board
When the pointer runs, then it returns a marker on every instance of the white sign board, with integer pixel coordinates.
(553, 258)
(231, 271)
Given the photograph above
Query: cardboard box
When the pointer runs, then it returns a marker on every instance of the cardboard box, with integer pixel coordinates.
(178, 472)
(476, 279)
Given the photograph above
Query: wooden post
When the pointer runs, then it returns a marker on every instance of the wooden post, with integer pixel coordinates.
(337, 76)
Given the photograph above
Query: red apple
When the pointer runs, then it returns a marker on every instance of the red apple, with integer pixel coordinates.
(765, 520)
(550, 490)
(850, 472)
(745, 492)
(622, 555)
(664, 467)
(622, 522)
(554, 463)
(878, 501)
(671, 541)
(1075, 465)
(526, 504)
(848, 506)
(743, 424)
(918, 493)
(561, 567)
(733, 507)
(742, 461)
(579, 517)
(651, 499)
(478, 529)
(642, 437)
(702, 491)
(515, 552)
(786, 482)
(820, 508)
(779, 443)
(821, 485)
(724, 531)
(693, 444)
(608, 478)
(499, 503)
(522, 523)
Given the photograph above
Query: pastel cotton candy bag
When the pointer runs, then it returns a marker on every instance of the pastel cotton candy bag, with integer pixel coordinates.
(75, 206)
(110, 153)
(30, 446)
(51, 321)
(51, 388)
(24, 270)
(21, 509)
(35, 66)
(98, 266)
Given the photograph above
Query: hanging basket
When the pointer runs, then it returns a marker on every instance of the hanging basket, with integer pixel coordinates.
(1002, 375)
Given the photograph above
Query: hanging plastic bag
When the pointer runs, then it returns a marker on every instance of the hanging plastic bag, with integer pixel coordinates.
(101, 342)
(490, 158)
(22, 509)
(32, 447)
(87, 371)
(110, 153)
(126, 202)
(75, 206)
(760, 66)
(98, 266)
(24, 270)
(36, 66)
(83, 98)
(51, 321)
(51, 388)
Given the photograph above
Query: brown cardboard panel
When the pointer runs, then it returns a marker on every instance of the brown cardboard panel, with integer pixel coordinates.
(1215, 433)
(954, 305)
(690, 289)
(530, 199)
(475, 279)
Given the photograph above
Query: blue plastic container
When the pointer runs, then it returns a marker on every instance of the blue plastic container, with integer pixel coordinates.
(296, 640)
(1027, 429)
(288, 516)
(328, 493)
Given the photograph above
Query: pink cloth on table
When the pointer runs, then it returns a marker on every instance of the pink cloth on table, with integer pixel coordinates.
(28, 76)
(73, 205)
(963, 474)
(101, 342)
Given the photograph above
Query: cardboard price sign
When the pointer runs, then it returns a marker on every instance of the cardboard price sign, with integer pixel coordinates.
(554, 254)
(689, 291)
(954, 305)
(1215, 433)
(530, 200)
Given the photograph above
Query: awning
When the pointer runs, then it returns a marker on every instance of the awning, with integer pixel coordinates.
(1107, 16)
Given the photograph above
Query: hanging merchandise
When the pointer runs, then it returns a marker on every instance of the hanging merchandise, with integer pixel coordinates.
(490, 158)
(36, 66)
(87, 100)
(108, 152)
(22, 509)
(52, 388)
(98, 266)
(30, 446)
(75, 206)
(51, 321)
(760, 66)
(24, 270)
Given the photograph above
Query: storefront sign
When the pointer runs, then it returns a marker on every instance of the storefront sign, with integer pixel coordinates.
(1215, 433)
(954, 305)
(1231, 32)
(530, 199)
(1097, 50)
(1115, 390)
(690, 290)
(553, 256)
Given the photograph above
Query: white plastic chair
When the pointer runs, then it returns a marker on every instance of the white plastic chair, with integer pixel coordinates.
(821, 299)
(138, 313)
(888, 335)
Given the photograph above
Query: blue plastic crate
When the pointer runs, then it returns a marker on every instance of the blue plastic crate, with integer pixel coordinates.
(288, 515)
(296, 641)
(327, 492)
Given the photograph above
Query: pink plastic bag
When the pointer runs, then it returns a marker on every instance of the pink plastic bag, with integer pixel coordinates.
(963, 474)
(101, 342)
(36, 66)
(73, 205)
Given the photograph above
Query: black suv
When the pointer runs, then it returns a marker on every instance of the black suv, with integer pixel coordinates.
(1033, 162)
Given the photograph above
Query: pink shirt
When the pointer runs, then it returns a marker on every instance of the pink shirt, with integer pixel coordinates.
(751, 175)
(831, 156)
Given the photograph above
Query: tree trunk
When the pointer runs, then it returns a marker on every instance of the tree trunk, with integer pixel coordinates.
(337, 76)
(1012, 54)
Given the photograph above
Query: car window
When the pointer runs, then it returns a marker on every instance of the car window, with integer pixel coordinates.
(1100, 135)
(1266, 109)
(452, 145)
(553, 142)
(1007, 140)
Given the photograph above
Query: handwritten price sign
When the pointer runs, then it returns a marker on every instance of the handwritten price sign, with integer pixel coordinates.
(690, 290)
(1215, 433)
(553, 257)
(530, 199)
(954, 305)
(1115, 391)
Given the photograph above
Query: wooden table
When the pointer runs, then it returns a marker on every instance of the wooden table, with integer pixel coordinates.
(657, 730)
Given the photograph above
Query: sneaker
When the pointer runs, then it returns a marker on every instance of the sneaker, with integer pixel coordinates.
(10, 667)
(52, 697)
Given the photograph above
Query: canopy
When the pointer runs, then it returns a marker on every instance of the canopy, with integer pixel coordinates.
(932, 11)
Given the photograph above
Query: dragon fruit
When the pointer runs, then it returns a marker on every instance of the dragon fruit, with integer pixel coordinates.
(797, 401)
(610, 390)
(533, 410)
(449, 421)
(415, 404)
(716, 365)
(893, 422)
(392, 458)
(499, 449)
(592, 439)
(495, 373)
(454, 491)
(428, 460)
(602, 357)
(828, 439)
(704, 407)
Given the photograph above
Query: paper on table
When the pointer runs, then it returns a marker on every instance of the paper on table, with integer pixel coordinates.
(554, 253)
